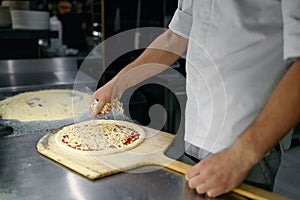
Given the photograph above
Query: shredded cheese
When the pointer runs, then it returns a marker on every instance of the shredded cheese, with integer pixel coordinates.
(116, 109)
(102, 136)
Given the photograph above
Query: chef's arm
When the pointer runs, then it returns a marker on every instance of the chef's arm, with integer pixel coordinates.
(157, 57)
(164, 51)
(221, 172)
(280, 114)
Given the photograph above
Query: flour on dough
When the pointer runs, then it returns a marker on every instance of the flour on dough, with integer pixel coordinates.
(45, 105)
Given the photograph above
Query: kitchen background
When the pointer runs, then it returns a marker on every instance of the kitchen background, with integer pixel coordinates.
(32, 57)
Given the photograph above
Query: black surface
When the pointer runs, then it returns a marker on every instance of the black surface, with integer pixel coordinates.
(26, 34)
(16, 44)
(27, 79)
(73, 34)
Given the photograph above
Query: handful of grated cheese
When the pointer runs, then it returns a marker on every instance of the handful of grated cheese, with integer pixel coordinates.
(116, 109)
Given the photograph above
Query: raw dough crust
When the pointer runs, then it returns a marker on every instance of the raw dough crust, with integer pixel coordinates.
(55, 104)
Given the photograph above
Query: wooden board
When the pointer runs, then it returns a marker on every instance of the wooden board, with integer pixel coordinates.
(149, 152)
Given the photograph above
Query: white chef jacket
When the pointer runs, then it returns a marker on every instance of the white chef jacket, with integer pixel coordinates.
(237, 54)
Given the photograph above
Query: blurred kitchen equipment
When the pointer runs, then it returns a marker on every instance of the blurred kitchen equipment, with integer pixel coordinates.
(16, 5)
(56, 46)
(5, 17)
(55, 25)
(32, 20)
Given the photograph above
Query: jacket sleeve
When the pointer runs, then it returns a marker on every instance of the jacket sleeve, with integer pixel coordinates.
(291, 28)
(182, 20)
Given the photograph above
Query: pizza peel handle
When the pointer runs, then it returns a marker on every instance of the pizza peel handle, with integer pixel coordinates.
(173, 164)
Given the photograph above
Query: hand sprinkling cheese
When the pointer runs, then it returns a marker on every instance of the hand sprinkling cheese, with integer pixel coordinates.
(116, 107)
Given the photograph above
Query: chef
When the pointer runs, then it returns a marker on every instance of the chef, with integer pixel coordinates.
(242, 86)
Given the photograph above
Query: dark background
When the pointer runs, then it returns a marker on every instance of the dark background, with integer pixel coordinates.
(153, 13)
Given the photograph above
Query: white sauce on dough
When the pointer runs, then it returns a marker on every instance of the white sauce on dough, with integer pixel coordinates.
(45, 105)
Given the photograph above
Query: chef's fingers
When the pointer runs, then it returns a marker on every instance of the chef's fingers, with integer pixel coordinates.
(96, 106)
(211, 189)
(196, 181)
(193, 171)
(105, 109)
(99, 108)
(109, 108)
(202, 188)
(216, 191)
(207, 186)
(198, 184)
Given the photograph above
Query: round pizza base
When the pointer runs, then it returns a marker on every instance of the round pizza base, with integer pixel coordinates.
(56, 104)
(137, 128)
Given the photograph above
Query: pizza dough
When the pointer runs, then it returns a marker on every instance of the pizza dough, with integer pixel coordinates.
(100, 137)
(45, 105)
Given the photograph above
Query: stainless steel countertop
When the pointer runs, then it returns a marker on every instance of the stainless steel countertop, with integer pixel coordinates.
(25, 174)
(24, 74)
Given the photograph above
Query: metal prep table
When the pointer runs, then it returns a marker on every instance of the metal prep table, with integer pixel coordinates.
(32, 74)
(27, 175)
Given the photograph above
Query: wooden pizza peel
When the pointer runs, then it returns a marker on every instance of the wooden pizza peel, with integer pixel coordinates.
(149, 152)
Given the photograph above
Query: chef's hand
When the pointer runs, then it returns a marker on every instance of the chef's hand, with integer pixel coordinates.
(219, 173)
(103, 97)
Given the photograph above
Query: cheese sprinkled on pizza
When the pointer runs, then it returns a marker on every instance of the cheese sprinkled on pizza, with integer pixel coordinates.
(100, 136)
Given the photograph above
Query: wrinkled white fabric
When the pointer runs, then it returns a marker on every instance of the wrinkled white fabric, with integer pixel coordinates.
(237, 54)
